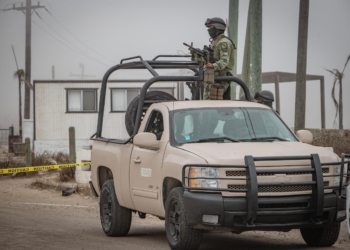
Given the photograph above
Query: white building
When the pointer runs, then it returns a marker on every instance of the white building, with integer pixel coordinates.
(59, 105)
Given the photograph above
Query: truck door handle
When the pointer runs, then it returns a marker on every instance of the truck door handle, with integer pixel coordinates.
(137, 160)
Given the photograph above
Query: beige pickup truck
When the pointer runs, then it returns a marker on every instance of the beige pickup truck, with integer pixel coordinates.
(209, 165)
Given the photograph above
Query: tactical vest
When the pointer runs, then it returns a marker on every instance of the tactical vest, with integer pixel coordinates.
(215, 45)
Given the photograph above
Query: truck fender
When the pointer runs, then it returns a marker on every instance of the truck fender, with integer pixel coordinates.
(168, 184)
(104, 174)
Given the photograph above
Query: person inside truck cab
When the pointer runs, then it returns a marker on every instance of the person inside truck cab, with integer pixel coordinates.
(265, 97)
(224, 55)
(179, 127)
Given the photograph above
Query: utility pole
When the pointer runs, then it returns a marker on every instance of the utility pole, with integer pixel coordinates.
(53, 72)
(82, 72)
(27, 10)
(300, 87)
(251, 68)
(233, 35)
(19, 74)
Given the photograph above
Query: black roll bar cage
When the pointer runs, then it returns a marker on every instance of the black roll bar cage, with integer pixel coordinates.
(151, 65)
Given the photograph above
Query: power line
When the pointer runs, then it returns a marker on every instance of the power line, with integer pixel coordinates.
(82, 72)
(66, 39)
(13, 4)
(93, 59)
(15, 57)
(77, 37)
(77, 48)
(27, 10)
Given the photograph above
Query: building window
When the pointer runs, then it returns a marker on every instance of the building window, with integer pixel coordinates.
(82, 100)
(121, 98)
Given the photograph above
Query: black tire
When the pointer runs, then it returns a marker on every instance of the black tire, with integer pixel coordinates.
(321, 237)
(130, 115)
(115, 219)
(179, 234)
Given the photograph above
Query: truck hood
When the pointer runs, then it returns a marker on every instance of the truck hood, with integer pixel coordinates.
(233, 153)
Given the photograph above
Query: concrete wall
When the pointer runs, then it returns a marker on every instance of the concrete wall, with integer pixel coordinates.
(83, 174)
(339, 140)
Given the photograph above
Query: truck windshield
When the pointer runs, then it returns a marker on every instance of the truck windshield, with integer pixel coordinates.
(229, 125)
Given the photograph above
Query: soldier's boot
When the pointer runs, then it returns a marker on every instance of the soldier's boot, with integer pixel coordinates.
(220, 93)
(213, 93)
(217, 92)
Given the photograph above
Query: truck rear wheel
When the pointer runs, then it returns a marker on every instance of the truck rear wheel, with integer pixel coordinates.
(115, 219)
(179, 234)
(320, 237)
(130, 115)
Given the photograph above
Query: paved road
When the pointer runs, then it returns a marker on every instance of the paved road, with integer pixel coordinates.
(42, 219)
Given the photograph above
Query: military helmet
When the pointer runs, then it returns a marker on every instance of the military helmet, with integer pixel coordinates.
(266, 95)
(218, 23)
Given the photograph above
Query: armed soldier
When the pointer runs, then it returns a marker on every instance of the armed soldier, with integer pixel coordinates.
(265, 97)
(224, 58)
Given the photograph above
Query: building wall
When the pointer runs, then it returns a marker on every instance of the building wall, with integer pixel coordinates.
(27, 130)
(55, 146)
(52, 120)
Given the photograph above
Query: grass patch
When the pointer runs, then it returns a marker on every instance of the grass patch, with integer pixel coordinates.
(67, 174)
(81, 189)
(43, 185)
(40, 159)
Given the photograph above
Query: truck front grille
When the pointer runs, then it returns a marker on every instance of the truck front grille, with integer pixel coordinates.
(278, 189)
(243, 173)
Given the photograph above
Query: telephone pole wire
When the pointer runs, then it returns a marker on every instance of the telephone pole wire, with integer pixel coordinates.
(83, 76)
(27, 10)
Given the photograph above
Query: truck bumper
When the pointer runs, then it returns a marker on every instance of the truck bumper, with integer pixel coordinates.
(274, 213)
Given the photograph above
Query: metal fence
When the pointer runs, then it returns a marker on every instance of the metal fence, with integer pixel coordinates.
(4, 136)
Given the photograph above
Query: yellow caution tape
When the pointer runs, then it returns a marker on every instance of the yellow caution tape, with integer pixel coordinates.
(41, 168)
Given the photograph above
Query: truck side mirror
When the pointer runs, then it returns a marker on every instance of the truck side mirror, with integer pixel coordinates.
(146, 140)
(305, 136)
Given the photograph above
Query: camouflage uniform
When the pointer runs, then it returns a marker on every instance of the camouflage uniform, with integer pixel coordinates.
(223, 52)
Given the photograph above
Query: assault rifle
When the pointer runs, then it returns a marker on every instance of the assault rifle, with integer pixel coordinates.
(205, 55)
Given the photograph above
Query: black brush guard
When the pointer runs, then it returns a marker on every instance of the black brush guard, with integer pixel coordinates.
(252, 183)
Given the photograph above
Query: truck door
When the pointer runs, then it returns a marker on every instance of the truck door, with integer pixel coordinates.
(145, 168)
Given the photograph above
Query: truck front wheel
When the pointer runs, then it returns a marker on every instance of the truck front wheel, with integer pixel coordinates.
(115, 219)
(320, 237)
(179, 234)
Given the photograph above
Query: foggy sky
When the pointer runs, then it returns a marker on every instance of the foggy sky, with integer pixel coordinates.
(106, 31)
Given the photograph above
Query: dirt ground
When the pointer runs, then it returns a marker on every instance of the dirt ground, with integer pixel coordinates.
(36, 218)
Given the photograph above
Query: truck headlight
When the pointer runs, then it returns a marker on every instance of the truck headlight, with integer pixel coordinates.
(204, 183)
(336, 178)
(206, 173)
